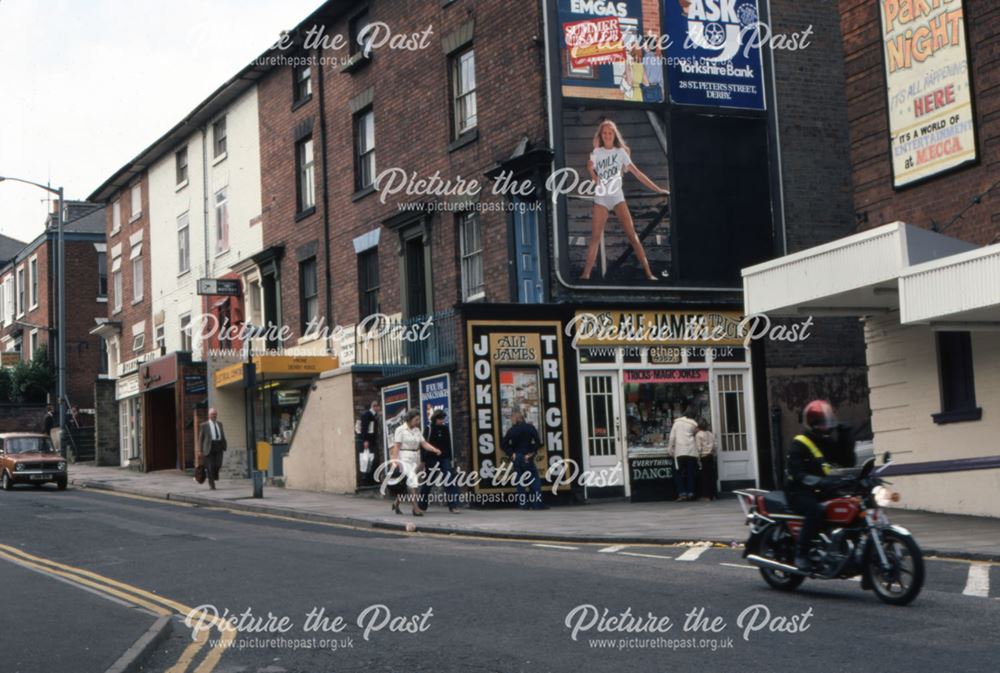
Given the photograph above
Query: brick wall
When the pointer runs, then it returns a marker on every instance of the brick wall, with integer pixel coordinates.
(940, 199)
(107, 449)
(22, 417)
(130, 312)
(83, 350)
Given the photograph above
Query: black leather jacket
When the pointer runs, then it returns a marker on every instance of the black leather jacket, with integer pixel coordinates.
(805, 473)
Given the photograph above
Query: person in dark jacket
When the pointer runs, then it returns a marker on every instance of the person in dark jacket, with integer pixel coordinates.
(49, 422)
(811, 458)
(521, 444)
(438, 467)
(369, 434)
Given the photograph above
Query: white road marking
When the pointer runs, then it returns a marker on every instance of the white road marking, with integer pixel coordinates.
(978, 583)
(555, 546)
(692, 554)
(635, 553)
(612, 549)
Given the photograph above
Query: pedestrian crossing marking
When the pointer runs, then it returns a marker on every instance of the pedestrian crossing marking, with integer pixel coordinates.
(692, 554)
(555, 546)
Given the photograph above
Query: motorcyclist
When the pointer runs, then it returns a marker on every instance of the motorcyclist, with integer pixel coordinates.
(811, 458)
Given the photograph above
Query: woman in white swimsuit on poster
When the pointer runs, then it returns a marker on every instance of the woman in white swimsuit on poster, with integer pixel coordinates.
(608, 164)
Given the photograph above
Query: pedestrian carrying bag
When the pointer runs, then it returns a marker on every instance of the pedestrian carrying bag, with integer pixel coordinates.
(365, 461)
(200, 474)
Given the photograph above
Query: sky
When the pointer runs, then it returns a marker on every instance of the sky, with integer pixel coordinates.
(85, 85)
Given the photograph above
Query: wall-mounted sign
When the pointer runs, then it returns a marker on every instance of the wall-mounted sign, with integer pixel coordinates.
(127, 386)
(395, 404)
(195, 383)
(515, 366)
(435, 395)
(656, 328)
(230, 287)
(714, 53)
(931, 125)
(666, 376)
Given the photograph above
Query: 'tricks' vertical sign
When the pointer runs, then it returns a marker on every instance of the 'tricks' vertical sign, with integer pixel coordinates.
(931, 125)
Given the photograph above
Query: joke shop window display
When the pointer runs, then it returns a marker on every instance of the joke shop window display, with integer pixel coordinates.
(651, 408)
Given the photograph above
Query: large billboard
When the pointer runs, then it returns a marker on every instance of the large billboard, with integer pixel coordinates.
(931, 124)
(713, 53)
(611, 50)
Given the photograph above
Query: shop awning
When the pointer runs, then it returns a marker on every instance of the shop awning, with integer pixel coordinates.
(960, 292)
(276, 367)
(856, 275)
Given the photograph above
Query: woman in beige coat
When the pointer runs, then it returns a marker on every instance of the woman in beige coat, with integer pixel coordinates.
(683, 449)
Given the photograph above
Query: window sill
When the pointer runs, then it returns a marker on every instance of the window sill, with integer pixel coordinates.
(299, 103)
(102, 300)
(117, 310)
(355, 63)
(219, 159)
(958, 416)
(466, 138)
(305, 213)
(181, 185)
(136, 301)
(362, 193)
(135, 218)
(181, 274)
(479, 296)
(32, 307)
(115, 231)
(220, 253)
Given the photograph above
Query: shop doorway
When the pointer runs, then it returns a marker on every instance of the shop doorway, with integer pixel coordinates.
(736, 469)
(161, 428)
(601, 400)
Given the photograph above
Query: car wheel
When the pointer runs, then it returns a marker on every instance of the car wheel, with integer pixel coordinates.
(5, 482)
(61, 484)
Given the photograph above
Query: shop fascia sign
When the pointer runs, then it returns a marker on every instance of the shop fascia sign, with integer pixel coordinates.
(656, 328)
(132, 366)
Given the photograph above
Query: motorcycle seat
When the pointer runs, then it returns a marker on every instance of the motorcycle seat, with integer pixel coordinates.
(776, 502)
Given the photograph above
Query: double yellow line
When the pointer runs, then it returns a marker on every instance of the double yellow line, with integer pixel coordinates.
(158, 605)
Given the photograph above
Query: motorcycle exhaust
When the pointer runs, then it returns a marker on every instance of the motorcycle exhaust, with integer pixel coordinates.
(762, 562)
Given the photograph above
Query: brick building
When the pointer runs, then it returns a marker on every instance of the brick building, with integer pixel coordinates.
(921, 272)
(29, 289)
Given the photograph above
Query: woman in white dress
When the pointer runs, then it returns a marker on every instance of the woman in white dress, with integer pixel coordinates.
(405, 452)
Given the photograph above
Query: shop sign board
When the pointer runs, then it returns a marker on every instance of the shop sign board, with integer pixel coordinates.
(515, 366)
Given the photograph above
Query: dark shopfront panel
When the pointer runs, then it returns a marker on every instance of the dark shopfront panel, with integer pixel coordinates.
(172, 387)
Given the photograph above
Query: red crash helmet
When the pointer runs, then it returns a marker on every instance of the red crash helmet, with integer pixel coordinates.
(818, 417)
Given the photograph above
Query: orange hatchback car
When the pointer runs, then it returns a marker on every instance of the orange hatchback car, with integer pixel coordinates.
(29, 458)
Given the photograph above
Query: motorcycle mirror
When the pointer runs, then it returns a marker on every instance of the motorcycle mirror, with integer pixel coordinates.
(886, 458)
(867, 468)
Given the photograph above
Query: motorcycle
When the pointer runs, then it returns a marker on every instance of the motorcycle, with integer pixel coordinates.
(856, 538)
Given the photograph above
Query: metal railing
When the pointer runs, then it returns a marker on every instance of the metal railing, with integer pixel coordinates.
(404, 345)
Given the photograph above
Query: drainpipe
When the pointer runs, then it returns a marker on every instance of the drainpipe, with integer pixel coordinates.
(326, 208)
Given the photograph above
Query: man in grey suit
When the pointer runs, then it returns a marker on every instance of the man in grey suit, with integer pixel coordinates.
(213, 443)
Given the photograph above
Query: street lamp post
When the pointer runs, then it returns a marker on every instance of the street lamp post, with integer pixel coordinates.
(61, 307)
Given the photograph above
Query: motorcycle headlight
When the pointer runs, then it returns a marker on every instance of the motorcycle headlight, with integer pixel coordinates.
(18, 467)
(884, 496)
(61, 465)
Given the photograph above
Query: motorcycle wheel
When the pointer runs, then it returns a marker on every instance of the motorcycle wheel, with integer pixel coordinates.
(904, 580)
(777, 544)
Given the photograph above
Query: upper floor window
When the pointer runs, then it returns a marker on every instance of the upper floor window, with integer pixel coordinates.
(368, 283)
(183, 244)
(305, 180)
(463, 84)
(136, 258)
(219, 137)
(102, 275)
(222, 220)
(471, 251)
(186, 337)
(364, 148)
(181, 164)
(356, 32)
(136, 197)
(33, 282)
(116, 215)
(116, 282)
(308, 295)
(301, 83)
(20, 292)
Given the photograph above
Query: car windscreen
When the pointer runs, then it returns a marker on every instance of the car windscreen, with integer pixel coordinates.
(29, 445)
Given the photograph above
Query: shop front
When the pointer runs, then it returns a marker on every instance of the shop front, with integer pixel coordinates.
(280, 391)
(171, 387)
(129, 419)
(639, 371)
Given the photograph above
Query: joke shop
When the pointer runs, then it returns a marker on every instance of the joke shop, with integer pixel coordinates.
(638, 372)
(515, 366)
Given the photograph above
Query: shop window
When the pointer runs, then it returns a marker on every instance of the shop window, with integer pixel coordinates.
(655, 398)
(956, 378)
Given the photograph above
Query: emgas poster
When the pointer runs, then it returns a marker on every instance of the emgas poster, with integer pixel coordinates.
(931, 125)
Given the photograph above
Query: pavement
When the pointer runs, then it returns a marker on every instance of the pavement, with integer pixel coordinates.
(719, 522)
